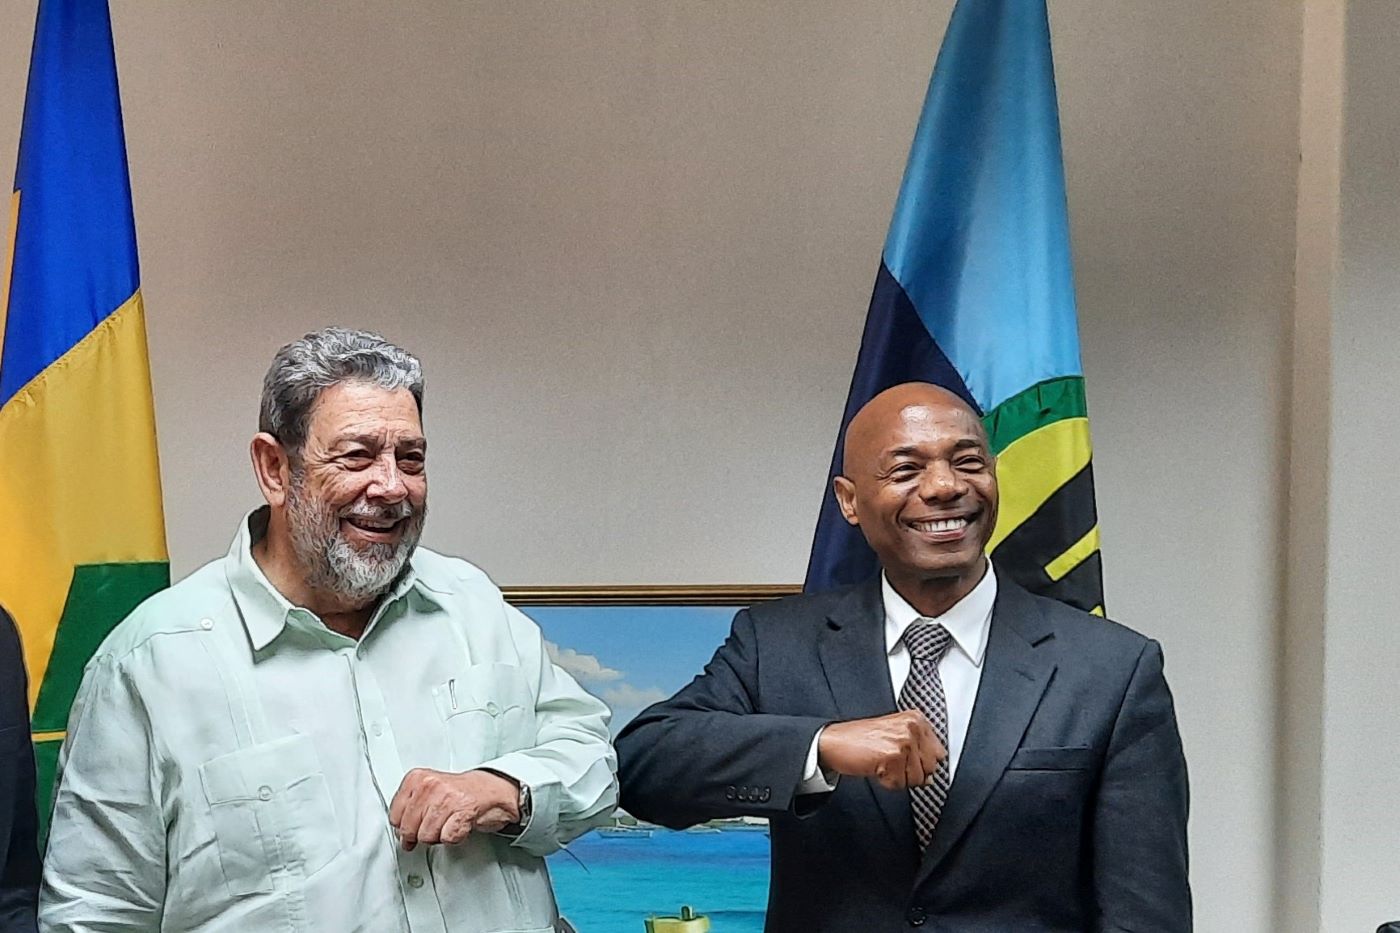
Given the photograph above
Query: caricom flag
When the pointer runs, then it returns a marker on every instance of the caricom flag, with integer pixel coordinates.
(79, 479)
(975, 293)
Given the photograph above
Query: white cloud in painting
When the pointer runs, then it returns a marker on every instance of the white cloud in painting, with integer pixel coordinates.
(585, 668)
(624, 696)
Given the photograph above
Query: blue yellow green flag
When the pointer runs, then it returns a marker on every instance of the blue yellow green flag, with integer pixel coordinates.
(975, 293)
(79, 478)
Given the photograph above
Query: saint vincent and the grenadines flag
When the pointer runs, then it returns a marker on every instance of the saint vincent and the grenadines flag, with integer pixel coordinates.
(84, 537)
(975, 294)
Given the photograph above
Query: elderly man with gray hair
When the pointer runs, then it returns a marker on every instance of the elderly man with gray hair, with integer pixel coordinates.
(330, 728)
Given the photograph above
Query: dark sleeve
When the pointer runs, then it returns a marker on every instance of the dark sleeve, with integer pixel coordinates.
(1140, 879)
(19, 850)
(710, 751)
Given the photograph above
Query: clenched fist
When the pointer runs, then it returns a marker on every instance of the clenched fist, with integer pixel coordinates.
(440, 806)
(899, 750)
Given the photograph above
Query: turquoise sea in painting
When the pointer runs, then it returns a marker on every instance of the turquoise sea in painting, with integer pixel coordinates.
(610, 884)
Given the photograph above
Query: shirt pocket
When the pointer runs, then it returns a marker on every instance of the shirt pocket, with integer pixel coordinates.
(272, 812)
(488, 710)
(1068, 758)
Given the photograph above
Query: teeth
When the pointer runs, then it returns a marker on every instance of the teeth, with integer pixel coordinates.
(370, 524)
(946, 524)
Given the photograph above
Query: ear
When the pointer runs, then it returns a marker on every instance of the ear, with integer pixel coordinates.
(272, 468)
(846, 498)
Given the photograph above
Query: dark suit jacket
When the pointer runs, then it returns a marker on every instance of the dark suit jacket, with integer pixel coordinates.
(1067, 811)
(19, 853)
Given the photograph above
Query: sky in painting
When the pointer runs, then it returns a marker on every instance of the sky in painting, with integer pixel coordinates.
(632, 656)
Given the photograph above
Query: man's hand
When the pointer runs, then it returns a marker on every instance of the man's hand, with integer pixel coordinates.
(899, 750)
(439, 806)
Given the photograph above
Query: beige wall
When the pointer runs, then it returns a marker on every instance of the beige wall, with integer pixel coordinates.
(634, 241)
(1360, 749)
(1302, 684)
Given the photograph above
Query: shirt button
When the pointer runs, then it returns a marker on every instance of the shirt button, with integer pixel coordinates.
(729, 793)
(916, 916)
(415, 881)
(206, 624)
(264, 793)
(377, 729)
(492, 709)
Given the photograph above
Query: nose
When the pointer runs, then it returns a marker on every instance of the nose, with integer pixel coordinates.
(387, 484)
(941, 483)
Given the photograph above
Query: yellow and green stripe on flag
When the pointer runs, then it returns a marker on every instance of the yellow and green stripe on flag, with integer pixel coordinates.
(975, 293)
(79, 477)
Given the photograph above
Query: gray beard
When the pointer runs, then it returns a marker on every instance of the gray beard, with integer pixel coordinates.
(333, 565)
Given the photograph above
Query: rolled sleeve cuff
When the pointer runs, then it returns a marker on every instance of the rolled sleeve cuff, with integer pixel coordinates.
(539, 834)
(559, 811)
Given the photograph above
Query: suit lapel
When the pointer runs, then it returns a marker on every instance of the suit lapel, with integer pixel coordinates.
(1014, 677)
(855, 661)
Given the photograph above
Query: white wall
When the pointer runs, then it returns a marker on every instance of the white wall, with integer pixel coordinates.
(1180, 121)
(1360, 870)
(634, 242)
(1301, 655)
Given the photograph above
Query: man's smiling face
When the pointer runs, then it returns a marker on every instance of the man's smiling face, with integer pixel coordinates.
(920, 482)
(358, 493)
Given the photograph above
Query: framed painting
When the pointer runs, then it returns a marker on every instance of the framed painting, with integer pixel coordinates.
(632, 646)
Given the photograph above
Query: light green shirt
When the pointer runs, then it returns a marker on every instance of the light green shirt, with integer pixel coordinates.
(230, 761)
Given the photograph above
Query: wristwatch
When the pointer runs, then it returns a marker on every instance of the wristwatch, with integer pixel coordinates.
(524, 806)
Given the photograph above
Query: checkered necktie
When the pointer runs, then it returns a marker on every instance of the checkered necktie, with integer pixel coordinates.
(927, 643)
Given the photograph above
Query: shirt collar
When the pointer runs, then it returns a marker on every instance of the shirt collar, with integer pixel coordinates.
(263, 608)
(968, 620)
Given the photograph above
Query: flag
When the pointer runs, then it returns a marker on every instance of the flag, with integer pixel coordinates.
(79, 480)
(975, 293)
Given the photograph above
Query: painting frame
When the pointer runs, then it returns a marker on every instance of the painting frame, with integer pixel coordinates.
(664, 594)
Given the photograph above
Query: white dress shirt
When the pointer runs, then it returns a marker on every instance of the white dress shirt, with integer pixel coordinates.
(968, 621)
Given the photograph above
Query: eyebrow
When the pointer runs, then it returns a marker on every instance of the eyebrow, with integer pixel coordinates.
(963, 443)
(372, 440)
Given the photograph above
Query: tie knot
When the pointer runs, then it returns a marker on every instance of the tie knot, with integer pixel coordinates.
(926, 640)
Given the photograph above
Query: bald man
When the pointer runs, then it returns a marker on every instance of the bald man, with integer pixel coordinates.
(936, 747)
